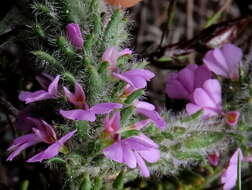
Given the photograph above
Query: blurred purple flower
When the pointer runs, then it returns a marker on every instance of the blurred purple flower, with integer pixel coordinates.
(74, 35)
(224, 61)
(135, 78)
(112, 54)
(131, 151)
(53, 150)
(148, 110)
(214, 158)
(181, 85)
(207, 98)
(51, 92)
(42, 132)
(85, 113)
(232, 118)
(229, 176)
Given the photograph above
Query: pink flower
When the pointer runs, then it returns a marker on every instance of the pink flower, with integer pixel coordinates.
(181, 85)
(78, 99)
(224, 61)
(131, 151)
(74, 35)
(53, 150)
(232, 118)
(51, 92)
(135, 78)
(229, 176)
(214, 158)
(208, 98)
(148, 110)
(42, 132)
(112, 54)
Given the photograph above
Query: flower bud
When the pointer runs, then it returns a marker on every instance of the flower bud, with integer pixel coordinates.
(74, 35)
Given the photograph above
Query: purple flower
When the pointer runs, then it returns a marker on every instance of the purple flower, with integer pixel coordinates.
(214, 158)
(112, 54)
(207, 98)
(229, 176)
(74, 35)
(148, 110)
(42, 132)
(135, 78)
(181, 85)
(51, 92)
(53, 150)
(232, 118)
(224, 61)
(78, 99)
(133, 151)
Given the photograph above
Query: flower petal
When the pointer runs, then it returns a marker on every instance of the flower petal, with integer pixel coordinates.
(141, 164)
(151, 155)
(30, 97)
(79, 114)
(53, 87)
(114, 152)
(104, 108)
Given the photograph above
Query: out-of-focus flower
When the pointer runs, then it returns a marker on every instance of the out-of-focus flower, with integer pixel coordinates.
(53, 150)
(148, 110)
(131, 151)
(232, 118)
(229, 176)
(85, 113)
(224, 61)
(135, 78)
(181, 85)
(123, 3)
(112, 54)
(74, 35)
(208, 98)
(42, 132)
(50, 93)
(214, 158)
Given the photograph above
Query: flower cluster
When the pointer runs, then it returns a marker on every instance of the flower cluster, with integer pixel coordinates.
(196, 85)
(132, 150)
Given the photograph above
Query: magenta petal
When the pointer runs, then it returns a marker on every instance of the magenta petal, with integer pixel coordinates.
(53, 87)
(74, 35)
(144, 105)
(141, 124)
(192, 108)
(114, 152)
(186, 76)
(201, 98)
(213, 88)
(202, 73)
(229, 176)
(52, 150)
(140, 142)
(154, 116)
(104, 108)
(30, 97)
(21, 140)
(213, 65)
(144, 73)
(174, 89)
(44, 80)
(79, 114)
(141, 164)
(151, 155)
(129, 157)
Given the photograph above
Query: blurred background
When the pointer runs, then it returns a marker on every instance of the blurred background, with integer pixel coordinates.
(155, 24)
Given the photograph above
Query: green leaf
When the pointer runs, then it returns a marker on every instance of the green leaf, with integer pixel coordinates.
(193, 116)
(98, 183)
(25, 185)
(126, 113)
(86, 183)
(119, 182)
(198, 140)
(57, 160)
(129, 133)
(238, 182)
(134, 96)
(82, 127)
(186, 155)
